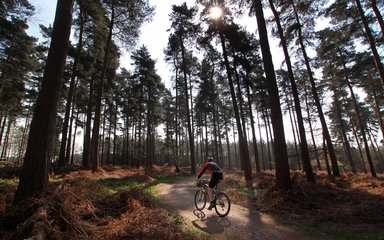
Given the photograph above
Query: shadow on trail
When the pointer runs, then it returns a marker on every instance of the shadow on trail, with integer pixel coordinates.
(211, 224)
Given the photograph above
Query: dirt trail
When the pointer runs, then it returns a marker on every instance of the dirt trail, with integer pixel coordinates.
(241, 223)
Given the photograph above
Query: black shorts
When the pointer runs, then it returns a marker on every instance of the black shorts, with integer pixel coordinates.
(215, 179)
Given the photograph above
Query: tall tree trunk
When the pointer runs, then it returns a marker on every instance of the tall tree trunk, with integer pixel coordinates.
(303, 139)
(94, 154)
(70, 98)
(74, 138)
(357, 110)
(24, 136)
(343, 130)
(375, 146)
(283, 180)
(310, 125)
(189, 124)
(114, 135)
(261, 140)
(228, 145)
(371, 41)
(378, 112)
(326, 157)
(68, 146)
(6, 140)
(359, 147)
(34, 173)
(254, 141)
(290, 110)
(335, 167)
(2, 128)
(87, 134)
(378, 16)
(242, 143)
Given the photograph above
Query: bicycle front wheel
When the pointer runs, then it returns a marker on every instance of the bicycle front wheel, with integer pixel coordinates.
(200, 199)
(223, 204)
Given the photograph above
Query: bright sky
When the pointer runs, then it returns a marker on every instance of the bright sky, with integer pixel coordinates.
(154, 35)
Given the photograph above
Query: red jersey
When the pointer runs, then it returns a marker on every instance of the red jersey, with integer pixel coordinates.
(212, 168)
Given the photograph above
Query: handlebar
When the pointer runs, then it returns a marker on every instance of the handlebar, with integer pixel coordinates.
(202, 182)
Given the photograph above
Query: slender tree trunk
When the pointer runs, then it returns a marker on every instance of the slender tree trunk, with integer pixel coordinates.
(371, 42)
(87, 134)
(378, 16)
(335, 167)
(94, 154)
(64, 144)
(343, 130)
(102, 143)
(261, 141)
(293, 132)
(360, 120)
(244, 155)
(359, 147)
(23, 137)
(254, 141)
(310, 125)
(379, 155)
(6, 140)
(228, 145)
(114, 135)
(108, 152)
(326, 157)
(189, 124)
(2, 128)
(378, 112)
(34, 173)
(74, 137)
(303, 139)
(283, 180)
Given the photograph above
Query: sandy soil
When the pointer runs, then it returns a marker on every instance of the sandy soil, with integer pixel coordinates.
(241, 223)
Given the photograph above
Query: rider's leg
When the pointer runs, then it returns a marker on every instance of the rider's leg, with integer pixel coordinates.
(211, 185)
(210, 194)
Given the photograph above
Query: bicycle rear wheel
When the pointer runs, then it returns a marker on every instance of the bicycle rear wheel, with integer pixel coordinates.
(200, 200)
(223, 204)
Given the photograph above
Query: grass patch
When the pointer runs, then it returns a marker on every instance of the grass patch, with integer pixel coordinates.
(178, 219)
(193, 233)
(163, 178)
(335, 232)
(121, 184)
(248, 192)
(10, 182)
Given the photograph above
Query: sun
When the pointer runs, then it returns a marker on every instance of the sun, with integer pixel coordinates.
(216, 12)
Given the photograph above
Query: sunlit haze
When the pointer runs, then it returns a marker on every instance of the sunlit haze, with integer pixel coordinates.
(216, 12)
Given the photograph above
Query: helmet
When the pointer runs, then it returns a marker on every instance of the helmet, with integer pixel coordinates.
(210, 159)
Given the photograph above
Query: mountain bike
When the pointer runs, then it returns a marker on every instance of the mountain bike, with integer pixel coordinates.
(222, 202)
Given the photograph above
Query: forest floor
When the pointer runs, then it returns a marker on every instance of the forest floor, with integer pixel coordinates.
(118, 203)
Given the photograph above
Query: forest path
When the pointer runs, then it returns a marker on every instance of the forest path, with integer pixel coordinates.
(240, 224)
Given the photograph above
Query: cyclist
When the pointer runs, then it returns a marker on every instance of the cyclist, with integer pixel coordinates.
(216, 176)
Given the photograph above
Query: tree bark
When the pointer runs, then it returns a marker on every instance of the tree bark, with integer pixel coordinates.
(62, 159)
(283, 180)
(242, 143)
(34, 173)
(189, 124)
(303, 139)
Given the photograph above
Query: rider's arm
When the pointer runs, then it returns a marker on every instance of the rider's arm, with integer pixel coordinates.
(205, 166)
